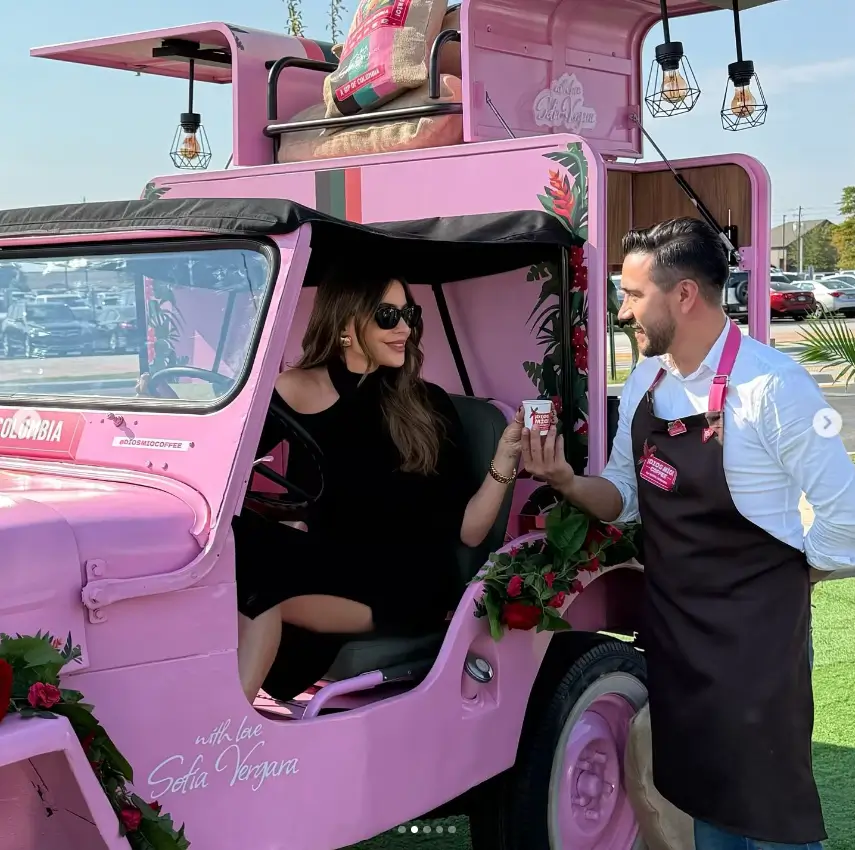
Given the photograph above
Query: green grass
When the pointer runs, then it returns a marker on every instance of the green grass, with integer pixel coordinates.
(834, 732)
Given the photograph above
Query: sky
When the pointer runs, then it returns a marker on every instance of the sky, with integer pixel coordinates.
(75, 132)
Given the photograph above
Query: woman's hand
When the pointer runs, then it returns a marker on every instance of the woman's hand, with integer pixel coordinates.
(510, 446)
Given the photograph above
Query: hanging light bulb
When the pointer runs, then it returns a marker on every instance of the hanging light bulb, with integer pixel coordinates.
(744, 103)
(742, 108)
(190, 149)
(674, 88)
(677, 91)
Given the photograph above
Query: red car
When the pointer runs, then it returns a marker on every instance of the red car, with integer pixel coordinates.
(788, 301)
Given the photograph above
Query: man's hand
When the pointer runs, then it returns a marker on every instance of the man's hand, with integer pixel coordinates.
(545, 459)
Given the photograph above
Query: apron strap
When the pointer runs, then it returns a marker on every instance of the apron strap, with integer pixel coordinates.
(656, 381)
(718, 390)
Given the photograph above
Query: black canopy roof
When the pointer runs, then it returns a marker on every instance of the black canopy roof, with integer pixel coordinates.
(435, 250)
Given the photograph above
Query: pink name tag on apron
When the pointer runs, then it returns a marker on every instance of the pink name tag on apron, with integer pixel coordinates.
(676, 428)
(658, 473)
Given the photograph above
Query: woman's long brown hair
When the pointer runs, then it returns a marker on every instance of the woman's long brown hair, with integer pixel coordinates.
(414, 426)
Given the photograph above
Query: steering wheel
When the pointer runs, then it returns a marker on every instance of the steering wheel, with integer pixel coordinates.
(295, 497)
(220, 383)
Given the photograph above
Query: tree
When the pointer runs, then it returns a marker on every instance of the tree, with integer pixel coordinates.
(818, 250)
(295, 17)
(295, 24)
(844, 233)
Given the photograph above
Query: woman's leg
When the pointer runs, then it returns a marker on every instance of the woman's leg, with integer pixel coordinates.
(258, 643)
(327, 614)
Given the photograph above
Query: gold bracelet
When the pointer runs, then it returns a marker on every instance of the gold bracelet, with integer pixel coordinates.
(502, 479)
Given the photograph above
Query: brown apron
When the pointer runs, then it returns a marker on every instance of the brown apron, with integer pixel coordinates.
(725, 630)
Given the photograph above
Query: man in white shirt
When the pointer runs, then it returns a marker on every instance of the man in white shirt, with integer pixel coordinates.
(715, 444)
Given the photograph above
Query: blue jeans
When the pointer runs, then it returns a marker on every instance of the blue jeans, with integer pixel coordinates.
(709, 837)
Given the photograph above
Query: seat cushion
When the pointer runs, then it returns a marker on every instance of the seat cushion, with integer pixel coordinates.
(382, 652)
(482, 427)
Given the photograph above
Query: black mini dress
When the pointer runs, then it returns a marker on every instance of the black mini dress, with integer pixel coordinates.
(378, 535)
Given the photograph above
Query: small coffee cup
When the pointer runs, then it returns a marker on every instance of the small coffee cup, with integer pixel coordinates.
(538, 415)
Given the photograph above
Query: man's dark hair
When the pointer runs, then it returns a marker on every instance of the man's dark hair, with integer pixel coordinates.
(683, 248)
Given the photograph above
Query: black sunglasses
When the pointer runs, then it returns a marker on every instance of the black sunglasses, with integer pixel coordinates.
(386, 316)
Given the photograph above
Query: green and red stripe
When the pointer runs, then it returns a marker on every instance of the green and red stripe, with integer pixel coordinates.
(321, 51)
(338, 192)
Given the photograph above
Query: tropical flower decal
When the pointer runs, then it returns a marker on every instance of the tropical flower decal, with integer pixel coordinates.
(565, 197)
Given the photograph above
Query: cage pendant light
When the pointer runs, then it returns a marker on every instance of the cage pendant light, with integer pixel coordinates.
(190, 148)
(671, 87)
(741, 107)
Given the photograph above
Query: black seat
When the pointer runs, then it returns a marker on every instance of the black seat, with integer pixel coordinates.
(483, 424)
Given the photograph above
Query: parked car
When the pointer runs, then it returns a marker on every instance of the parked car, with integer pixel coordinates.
(118, 329)
(788, 300)
(833, 295)
(77, 304)
(32, 329)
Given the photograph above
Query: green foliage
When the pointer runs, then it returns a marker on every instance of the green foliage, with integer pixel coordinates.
(818, 250)
(527, 587)
(843, 235)
(829, 342)
(294, 13)
(35, 662)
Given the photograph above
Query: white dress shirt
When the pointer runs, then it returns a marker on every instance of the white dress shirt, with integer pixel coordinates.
(772, 453)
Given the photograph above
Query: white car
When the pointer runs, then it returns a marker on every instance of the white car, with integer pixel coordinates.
(832, 295)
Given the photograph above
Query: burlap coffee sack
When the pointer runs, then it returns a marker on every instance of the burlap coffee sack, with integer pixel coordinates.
(662, 825)
(385, 137)
(386, 53)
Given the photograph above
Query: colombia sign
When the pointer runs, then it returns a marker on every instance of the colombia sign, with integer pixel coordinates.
(51, 434)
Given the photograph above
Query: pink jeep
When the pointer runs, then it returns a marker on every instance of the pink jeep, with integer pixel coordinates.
(115, 507)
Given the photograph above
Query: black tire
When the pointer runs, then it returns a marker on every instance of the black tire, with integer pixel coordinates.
(514, 812)
(742, 292)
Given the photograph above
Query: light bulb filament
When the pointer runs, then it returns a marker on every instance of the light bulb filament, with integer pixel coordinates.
(189, 147)
(743, 103)
(674, 87)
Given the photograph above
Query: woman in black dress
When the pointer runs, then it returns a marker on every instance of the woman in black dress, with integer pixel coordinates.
(379, 550)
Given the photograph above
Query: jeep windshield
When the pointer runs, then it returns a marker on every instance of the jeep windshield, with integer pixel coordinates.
(193, 308)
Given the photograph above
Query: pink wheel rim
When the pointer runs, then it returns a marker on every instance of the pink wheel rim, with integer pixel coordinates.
(594, 810)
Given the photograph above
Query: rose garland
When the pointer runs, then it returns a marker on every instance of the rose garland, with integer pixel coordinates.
(30, 687)
(527, 587)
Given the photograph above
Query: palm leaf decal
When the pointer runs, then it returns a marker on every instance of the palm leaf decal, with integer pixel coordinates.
(829, 342)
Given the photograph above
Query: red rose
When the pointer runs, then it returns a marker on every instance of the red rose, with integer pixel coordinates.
(592, 566)
(514, 551)
(41, 695)
(6, 675)
(558, 600)
(577, 586)
(156, 806)
(549, 578)
(130, 818)
(515, 586)
(614, 533)
(594, 535)
(520, 615)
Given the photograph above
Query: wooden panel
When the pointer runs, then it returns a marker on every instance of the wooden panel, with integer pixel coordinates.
(619, 213)
(724, 189)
